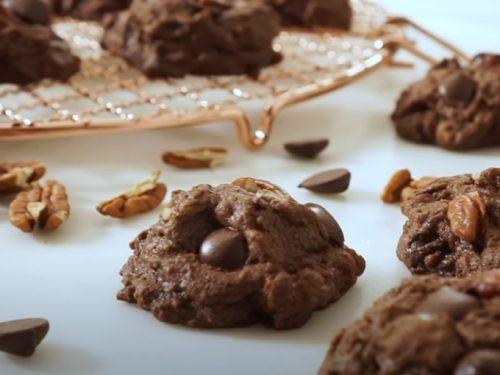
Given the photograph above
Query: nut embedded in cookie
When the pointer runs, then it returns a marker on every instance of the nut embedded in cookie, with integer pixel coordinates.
(238, 254)
(453, 225)
(143, 197)
(15, 176)
(427, 325)
(45, 206)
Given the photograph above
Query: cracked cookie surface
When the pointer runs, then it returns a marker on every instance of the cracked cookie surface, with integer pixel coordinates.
(453, 226)
(234, 255)
(429, 325)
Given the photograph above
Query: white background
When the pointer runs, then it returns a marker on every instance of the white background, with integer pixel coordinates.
(71, 276)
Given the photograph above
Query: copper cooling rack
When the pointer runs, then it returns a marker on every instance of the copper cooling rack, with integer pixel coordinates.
(109, 96)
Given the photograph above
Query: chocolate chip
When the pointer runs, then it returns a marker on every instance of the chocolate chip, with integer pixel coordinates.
(224, 248)
(449, 301)
(333, 228)
(332, 181)
(458, 89)
(307, 149)
(21, 337)
(31, 11)
(480, 362)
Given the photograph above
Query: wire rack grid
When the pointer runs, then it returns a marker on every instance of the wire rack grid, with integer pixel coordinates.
(109, 96)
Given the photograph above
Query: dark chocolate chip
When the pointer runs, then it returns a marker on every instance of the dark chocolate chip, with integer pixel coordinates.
(333, 228)
(480, 362)
(21, 337)
(458, 89)
(224, 248)
(31, 11)
(331, 181)
(449, 301)
(307, 149)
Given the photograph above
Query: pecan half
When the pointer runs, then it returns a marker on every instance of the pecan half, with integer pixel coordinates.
(144, 196)
(465, 215)
(17, 176)
(206, 157)
(394, 188)
(44, 206)
(262, 188)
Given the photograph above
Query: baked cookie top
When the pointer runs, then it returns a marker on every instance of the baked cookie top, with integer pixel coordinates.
(454, 106)
(428, 325)
(29, 50)
(311, 13)
(238, 254)
(453, 226)
(171, 38)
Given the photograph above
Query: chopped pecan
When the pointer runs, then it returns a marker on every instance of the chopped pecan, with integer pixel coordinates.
(414, 185)
(144, 196)
(465, 215)
(196, 158)
(44, 206)
(17, 176)
(394, 188)
(262, 188)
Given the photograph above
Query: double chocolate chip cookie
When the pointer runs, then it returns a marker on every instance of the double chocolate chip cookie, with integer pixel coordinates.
(93, 10)
(238, 254)
(427, 326)
(310, 13)
(29, 50)
(453, 226)
(456, 107)
(171, 38)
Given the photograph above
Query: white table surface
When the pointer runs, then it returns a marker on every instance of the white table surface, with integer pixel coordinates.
(71, 276)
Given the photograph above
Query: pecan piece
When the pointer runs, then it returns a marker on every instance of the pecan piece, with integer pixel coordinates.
(414, 185)
(262, 188)
(206, 157)
(465, 215)
(144, 196)
(394, 188)
(17, 176)
(44, 206)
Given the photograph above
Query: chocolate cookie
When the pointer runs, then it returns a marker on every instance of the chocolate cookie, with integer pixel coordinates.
(456, 107)
(239, 254)
(427, 326)
(93, 10)
(310, 13)
(453, 226)
(29, 50)
(171, 38)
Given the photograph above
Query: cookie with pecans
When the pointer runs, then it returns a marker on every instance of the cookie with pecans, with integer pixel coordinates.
(455, 106)
(453, 225)
(428, 325)
(238, 254)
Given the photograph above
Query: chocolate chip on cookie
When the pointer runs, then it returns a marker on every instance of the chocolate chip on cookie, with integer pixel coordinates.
(238, 254)
(427, 325)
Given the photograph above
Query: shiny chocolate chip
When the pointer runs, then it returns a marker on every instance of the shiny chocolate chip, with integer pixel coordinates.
(447, 300)
(333, 228)
(480, 362)
(224, 248)
(331, 181)
(31, 11)
(308, 149)
(457, 89)
(21, 337)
